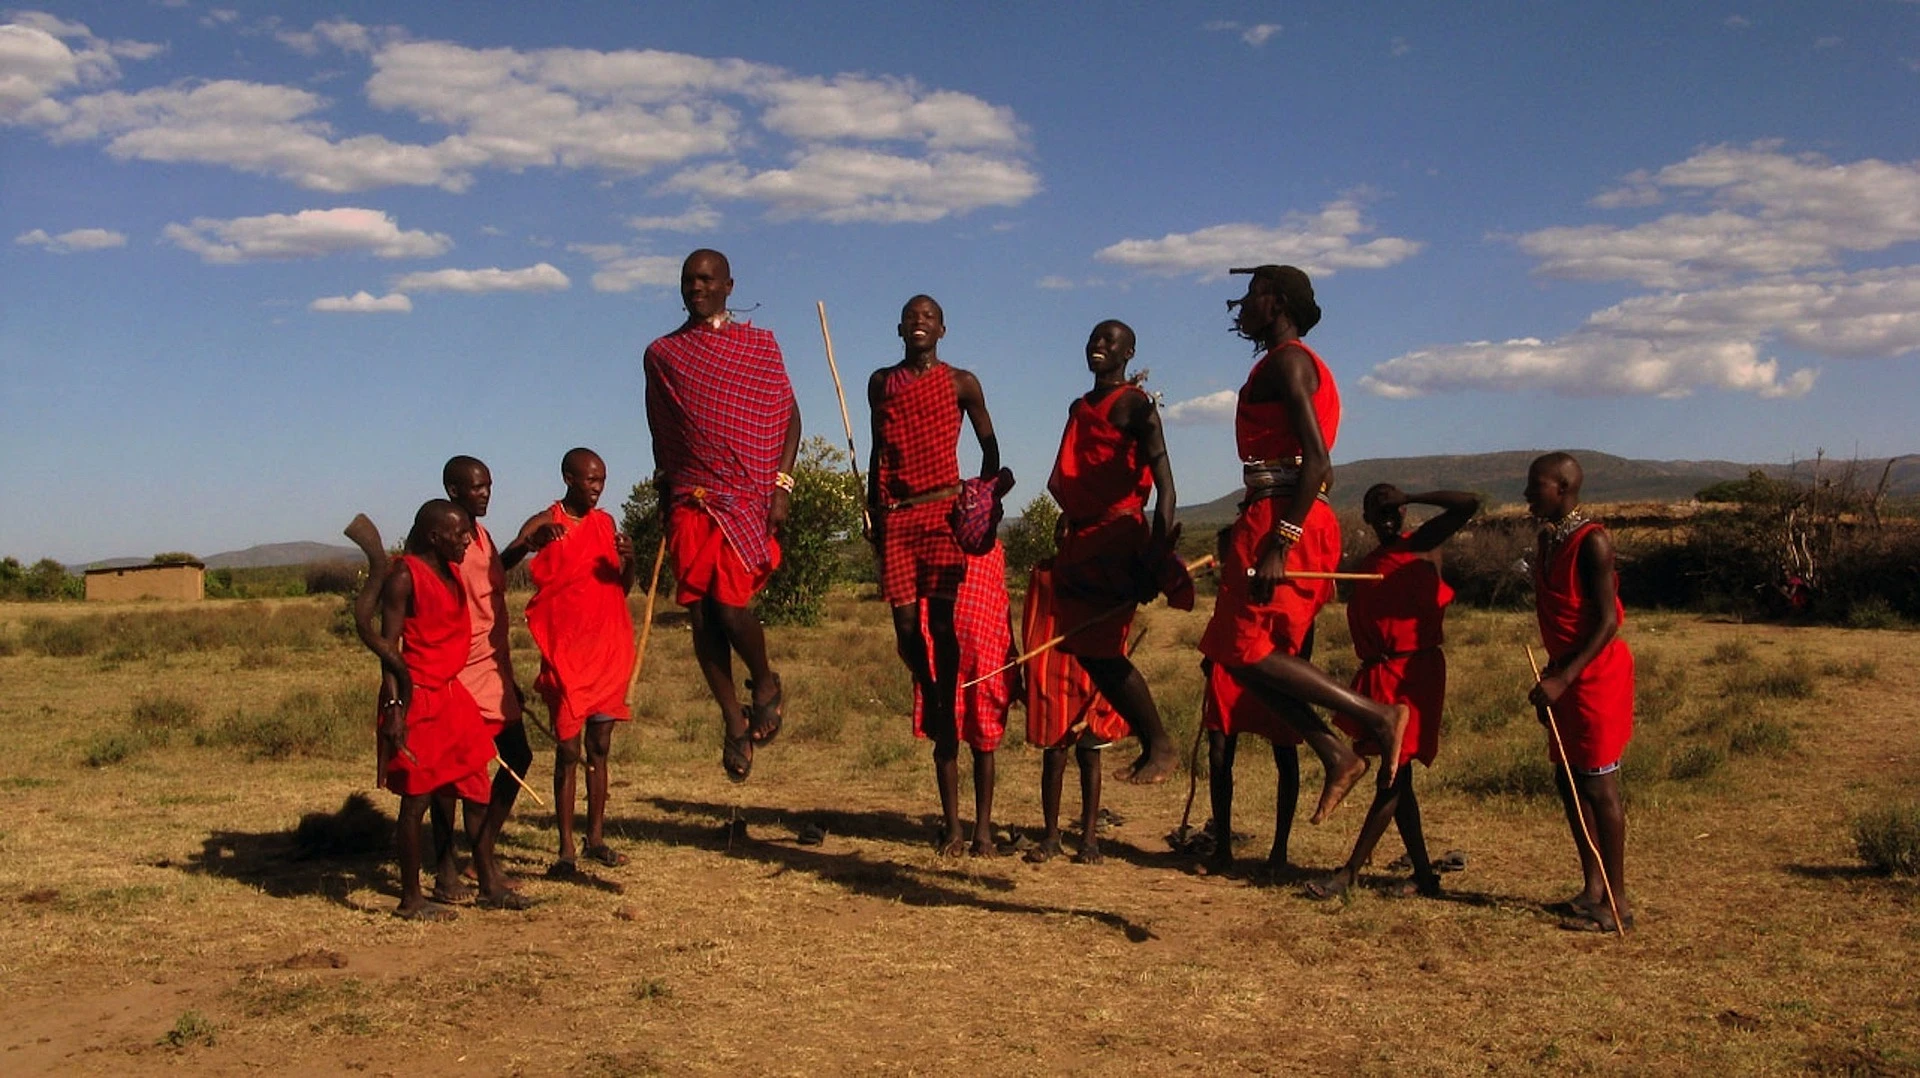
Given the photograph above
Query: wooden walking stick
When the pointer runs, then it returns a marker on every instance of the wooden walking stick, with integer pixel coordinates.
(646, 623)
(1573, 792)
(504, 766)
(853, 455)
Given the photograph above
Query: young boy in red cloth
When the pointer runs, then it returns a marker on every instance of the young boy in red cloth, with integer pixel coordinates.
(983, 626)
(1587, 682)
(582, 570)
(431, 733)
(914, 478)
(1395, 623)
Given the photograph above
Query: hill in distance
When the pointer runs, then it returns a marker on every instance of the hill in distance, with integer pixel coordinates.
(262, 556)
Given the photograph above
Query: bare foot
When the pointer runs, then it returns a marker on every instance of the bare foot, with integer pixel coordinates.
(1390, 759)
(429, 912)
(1158, 768)
(1277, 870)
(1089, 853)
(1047, 850)
(951, 846)
(1218, 862)
(1339, 782)
(984, 847)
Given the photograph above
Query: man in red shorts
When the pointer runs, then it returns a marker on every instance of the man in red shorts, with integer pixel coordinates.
(1285, 421)
(913, 480)
(430, 729)
(582, 569)
(726, 429)
(1396, 628)
(1587, 681)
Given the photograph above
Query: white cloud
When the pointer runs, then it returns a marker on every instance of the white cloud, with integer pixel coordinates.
(695, 219)
(80, 239)
(1212, 408)
(1737, 22)
(307, 234)
(871, 109)
(623, 270)
(1320, 243)
(844, 184)
(363, 303)
(542, 277)
(1588, 364)
(42, 55)
(340, 33)
(1826, 42)
(1055, 282)
(1257, 34)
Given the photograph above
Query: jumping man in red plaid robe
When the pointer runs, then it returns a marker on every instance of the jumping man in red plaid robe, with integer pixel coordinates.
(725, 431)
(911, 486)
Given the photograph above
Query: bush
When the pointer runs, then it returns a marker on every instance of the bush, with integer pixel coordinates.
(1792, 681)
(306, 723)
(1762, 737)
(1512, 772)
(164, 713)
(1030, 540)
(1691, 762)
(1888, 838)
(112, 748)
(63, 638)
(333, 578)
(148, 633)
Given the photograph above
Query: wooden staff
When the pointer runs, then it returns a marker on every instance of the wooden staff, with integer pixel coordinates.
(853, 455)
(498, 759)
(646, 623)
(1573, 792)
(1198, 566)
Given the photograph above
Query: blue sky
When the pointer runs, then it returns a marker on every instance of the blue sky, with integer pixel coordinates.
(267, 265)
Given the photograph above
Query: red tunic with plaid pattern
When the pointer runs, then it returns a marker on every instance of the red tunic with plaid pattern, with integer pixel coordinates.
(918, 450)
(717, 403)
(983, 625)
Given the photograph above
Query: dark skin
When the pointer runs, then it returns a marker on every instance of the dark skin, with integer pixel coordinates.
(585, 475)
(1110, 347)
(469, 485)
(1053, 772)
(922, 325)
(1552, 492)
(1221, 749)
(1384, 510)
(720, 630)
(1290, 380)
(440, 537)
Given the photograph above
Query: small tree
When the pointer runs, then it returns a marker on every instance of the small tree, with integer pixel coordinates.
(174, 557)
(48, 579)
(1030, 539)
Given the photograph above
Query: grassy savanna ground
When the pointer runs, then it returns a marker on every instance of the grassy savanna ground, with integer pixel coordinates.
(155, 918)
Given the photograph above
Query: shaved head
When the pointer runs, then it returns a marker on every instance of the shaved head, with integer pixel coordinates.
(577, 460)
(461, 469)
(1126, 332)
(723, 268)
(930, 301)
(1561, 467)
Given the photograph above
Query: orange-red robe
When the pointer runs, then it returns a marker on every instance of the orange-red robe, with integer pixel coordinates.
(981, 622)
(1102, 487)
(1060, 695)
(1243, 632)
(1595, 714)
(1396, 629)
(448, 741)
(489, 669)
(579, 619)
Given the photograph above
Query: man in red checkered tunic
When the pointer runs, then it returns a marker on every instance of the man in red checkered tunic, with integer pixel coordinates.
(725, 429)
(911, 486)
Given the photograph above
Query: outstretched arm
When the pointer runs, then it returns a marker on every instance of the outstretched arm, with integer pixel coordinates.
(539, 530)
(1598, 600)
(1456, 508)
(1136, 414)
(973, 402)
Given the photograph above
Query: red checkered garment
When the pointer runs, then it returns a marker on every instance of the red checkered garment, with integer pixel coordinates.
(717, 404)
(982, 621)
(918, 440)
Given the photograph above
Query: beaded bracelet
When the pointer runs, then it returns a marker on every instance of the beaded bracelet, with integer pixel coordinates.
(1288, 531)
(783, 481)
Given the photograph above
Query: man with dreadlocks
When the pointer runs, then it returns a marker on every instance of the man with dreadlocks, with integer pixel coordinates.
(726, 429)
(1285, 422)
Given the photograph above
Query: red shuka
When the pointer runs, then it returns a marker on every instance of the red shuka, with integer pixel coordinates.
(1396, 629)
(1102, 486)
(579, 619)
(1232, 708)
(981, 621)
(489, 671)
(446, 736)
(1059, 692)
(918, 445)
(1241, 632)
(1595, 714)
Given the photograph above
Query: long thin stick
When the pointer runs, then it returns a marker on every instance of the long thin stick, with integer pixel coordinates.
(1193, 772)
(504, 766)
(853, 455)
(1573, 792)
(1196, 567)
(646, 622)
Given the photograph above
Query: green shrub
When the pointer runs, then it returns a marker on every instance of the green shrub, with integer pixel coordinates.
(307, 723)
(102, 750)
(1691, 762)
(191, 1028)
(1888, 838)
(164, 713)
(1030, 539)
(1736, 652)
(1873, 612)
(1793, 680)
(63, 638)
(1763, 737)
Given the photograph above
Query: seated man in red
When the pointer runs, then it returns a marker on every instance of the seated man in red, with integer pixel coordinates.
(432, 737)
(912, 484)
(983, 626)
(1396, 628)
(1587, 682)
(725, 430)
(582, 570)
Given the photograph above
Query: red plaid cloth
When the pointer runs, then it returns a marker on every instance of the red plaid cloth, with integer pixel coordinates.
(717, 404)
(982, 621)
(918, 439)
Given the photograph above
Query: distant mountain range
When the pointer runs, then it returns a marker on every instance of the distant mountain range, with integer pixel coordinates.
(254, 557)
(1501, 476)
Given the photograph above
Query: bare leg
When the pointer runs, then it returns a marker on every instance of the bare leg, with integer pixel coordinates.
(1386, 803)
(1607, 824)
(566, 756)
(983, 805)
(1120, 682)
(1088, 758)
(1285, 681)
(446, 864)
(946, 774)
(748, 639)
(599, 746)
(1220, 752)
(511, 743)
(1425, 880)
(406, 845)
(1053, 772)
(1286, 764)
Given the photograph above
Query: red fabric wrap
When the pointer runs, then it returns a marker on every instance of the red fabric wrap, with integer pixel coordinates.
(717, 403)
(579, 619)
(1242, 632)
(488, 674)
(1102, 488)
(706, 564)
(1595, 714)
(446, 736)
(918, 445)
(1059, 692)
(1396, 625)
(1232, 708)
(1263, 431)
(1098, 472)
(982, 622)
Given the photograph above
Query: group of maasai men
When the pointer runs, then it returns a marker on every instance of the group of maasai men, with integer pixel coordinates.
(726, 428)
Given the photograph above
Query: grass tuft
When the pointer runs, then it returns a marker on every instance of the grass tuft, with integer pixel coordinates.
(306, 723)
(1888, 838)
(1792, 680)
(1761, 737)
(1510, 772)
(162, 713)
(1690, 762)
(190, 1028)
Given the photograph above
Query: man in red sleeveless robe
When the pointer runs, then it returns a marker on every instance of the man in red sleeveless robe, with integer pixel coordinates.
(582, 570)
(430, 724)
(913, 479)
(1285, 422)
(1587, 681)
(1396, 628)
(726, 430)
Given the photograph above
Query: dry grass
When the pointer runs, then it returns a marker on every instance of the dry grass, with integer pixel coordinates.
(156, 913)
